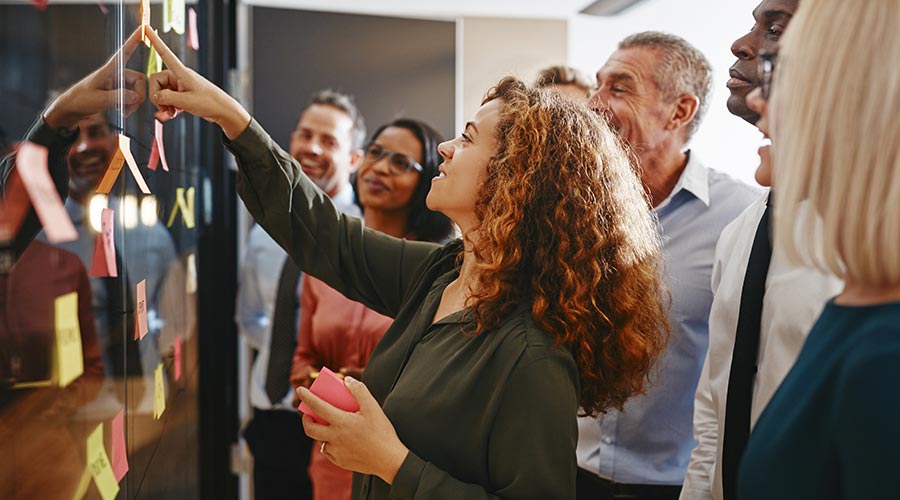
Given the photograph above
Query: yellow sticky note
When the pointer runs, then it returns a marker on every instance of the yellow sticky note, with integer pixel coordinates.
(154, 63)
(69, 357)
(173, 16)
(98, 463)
(159, 400)
(83, 484)
(184, 203)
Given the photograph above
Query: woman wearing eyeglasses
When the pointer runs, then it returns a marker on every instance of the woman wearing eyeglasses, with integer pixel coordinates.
(831, 430)
(390, 185)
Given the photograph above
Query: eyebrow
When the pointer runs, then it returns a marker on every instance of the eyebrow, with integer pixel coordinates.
(619, 77)
(772, 14)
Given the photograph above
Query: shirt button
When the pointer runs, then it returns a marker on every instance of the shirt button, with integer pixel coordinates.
(607, 440)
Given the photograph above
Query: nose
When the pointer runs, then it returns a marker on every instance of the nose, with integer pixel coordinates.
(756, 102)
(598, 100)
(742, 48)
(446, 149)
(382, 165)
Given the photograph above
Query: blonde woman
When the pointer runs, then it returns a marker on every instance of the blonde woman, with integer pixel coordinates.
(831, 431)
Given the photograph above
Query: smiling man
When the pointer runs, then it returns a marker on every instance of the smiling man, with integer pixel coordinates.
(654, 91)
(327, 143)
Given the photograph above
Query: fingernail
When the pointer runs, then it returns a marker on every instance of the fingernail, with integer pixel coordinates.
(349, 380)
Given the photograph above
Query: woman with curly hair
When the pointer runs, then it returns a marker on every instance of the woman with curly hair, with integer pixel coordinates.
(550, 302)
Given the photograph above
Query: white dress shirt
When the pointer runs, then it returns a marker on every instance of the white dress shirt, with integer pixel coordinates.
(258, 285)
(794, 297)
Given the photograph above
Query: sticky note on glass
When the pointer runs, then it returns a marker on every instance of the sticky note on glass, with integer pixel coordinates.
(145, 21)
(104, 264)
(99, 465)
(69, 357)
(40, 4)
(178, 357)
(159, 393)
(158, 151)
(154, 63)
(184, 203)
(13, 207)
(173, 16)
(190, 283)
(331, 388)
(121, 156)
(31, 163)
(193, 36)
(140, 310)
(119, 455)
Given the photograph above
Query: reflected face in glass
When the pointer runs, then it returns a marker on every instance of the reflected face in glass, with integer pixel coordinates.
(628, 96)
(573, 93)
(322, 143)
(760, 106)
(88, 157)
(383, 186)
(771, 18)
(455, 190)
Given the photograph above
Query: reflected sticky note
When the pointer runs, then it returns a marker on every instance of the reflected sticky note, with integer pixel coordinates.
(104, 263)
(173, 16)
(40, 4)
(193, 36)
(159, 392)
(99, 465)
(121, 156)
(83, 483)
(158, 144)
(145, 21)
(31, 163)
(140, 310)
(190, 283)
(13, 207)
(331, 388)
(178, 357)
(154, 62)
(69, 357)
(119, 455)
(184, 204)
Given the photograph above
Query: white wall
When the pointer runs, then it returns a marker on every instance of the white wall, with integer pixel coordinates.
(724, 141)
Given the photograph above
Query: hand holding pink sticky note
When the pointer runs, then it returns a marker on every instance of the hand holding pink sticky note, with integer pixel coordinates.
(331, 388)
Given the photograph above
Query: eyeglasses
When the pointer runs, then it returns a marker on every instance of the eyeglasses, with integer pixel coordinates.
(767, 62)
(399, 163)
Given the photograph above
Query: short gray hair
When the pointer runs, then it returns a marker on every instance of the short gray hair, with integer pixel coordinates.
(682, 69)
(345, 103)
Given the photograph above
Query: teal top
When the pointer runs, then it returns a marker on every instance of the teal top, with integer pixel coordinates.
(832, 430)
(484, 417)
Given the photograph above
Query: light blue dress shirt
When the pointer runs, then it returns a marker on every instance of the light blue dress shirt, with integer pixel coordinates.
(650, 441)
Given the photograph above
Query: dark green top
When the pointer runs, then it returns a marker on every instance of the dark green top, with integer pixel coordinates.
(832, 430)
(488, 416)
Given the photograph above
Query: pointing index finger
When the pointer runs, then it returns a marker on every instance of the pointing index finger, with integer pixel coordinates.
(168, 57)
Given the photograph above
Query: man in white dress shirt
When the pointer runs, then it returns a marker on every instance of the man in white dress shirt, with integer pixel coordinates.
(792, 299)
(328, 145)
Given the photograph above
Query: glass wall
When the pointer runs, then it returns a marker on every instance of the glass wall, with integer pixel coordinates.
(99, 377)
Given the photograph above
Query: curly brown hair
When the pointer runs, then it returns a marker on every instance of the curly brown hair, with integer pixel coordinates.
(565, 225)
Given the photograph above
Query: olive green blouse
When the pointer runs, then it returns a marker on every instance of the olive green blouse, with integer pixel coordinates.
(487, 416)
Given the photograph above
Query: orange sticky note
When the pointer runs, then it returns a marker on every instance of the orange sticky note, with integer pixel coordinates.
(145, 21)
(122, 155)
(31, 163)
(105, 249)
(13, 208)
(119, 455)
(184, 203)
(140, 310)
(193, 36)
(178, 357)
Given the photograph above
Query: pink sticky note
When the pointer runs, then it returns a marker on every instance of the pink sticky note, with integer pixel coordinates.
(31, 163)
(105, 249)
(40, 4)
(193, 37)
(119, 455)
(153, 161)
(160, 148)
(140, 310)
(331, 388)
(178, 357)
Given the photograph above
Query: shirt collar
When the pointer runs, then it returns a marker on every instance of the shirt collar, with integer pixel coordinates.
(694, 179)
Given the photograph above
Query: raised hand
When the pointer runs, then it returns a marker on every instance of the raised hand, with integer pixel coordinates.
(99, 91)
(178, 87)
